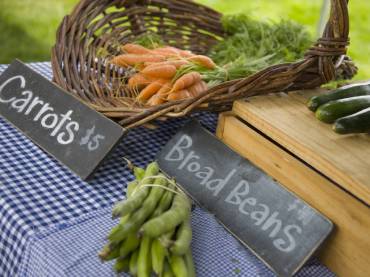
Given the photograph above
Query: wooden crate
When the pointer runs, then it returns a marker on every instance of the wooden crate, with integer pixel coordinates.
(330, 172)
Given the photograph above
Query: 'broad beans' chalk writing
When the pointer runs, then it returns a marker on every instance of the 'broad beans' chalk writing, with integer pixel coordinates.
(261, 215)
(190, 162)
(283, 236)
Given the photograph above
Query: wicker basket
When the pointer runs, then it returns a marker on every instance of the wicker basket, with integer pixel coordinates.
(94, 25)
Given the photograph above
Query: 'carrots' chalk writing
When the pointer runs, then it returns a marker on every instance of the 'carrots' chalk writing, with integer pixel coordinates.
(61, 126)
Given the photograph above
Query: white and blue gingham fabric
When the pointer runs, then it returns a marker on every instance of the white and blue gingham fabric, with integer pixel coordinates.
(52, 223)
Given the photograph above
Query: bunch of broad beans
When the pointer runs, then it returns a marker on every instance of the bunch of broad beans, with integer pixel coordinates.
(154, 232)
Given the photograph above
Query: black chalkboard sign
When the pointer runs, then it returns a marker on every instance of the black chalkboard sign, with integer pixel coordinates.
(276, 225)
(69, 130)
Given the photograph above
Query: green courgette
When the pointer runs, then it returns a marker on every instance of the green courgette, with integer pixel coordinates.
(340, 93)
(356, 123)
(333, 110)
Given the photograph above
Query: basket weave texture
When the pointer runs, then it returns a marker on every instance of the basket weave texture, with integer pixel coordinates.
(101, 24)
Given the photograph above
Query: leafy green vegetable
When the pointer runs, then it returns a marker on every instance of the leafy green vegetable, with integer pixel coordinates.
(252, 45)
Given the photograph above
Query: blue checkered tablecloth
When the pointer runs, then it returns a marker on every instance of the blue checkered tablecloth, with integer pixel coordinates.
(52, 223)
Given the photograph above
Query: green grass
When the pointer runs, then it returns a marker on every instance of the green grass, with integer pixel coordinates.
(27, 27)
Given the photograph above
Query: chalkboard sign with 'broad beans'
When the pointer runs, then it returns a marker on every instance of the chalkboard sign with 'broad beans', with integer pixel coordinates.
(276, 225)
(69, 130)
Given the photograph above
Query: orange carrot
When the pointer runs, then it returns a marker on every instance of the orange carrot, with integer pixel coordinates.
(203, 61)
(165, 89)
(170, 51)
(167, 51)
(179, 95)
(138, 80)
(186, 81)
(184, 93)
(156, 99)
(194, 89)
(197, 88)
(150, 90)
(161, 95)
(135, 49)
(186, 53)
(133, 59)
(177, 63)
(204, 86)
(160, 71)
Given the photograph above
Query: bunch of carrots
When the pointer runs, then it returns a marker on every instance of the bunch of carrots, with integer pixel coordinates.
(163, 74)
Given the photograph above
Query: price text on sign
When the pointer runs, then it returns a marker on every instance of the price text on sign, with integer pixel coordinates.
(276, 225)
(73, 133)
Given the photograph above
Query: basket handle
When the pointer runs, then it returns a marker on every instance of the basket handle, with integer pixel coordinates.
(334, 39)
(331, 48)
(338, 25)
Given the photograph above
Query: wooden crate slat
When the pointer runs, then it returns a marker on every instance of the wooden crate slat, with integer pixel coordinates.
(286, 119)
